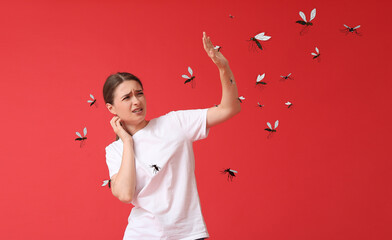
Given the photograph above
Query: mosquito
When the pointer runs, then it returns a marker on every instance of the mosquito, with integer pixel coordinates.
(230, 173)
(351, 29)
(92, 101)
(241, 98)
(317, 54)
(218, 47)
(259, 79)
(270, 130)
(259, 37)
(80, 138)
(106, 182)
(216, 105)
(304, 22)
(231, 16)
(286, 77)
(155, 168)
(288, 104)
(259, 105)
(191, 78)
(232, 81)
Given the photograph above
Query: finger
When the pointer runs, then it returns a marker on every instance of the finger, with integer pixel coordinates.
(205, 40)
(204, 43)
(207, 49)
(118, 120)
(113, 124)
(113, 119)
(210, 43)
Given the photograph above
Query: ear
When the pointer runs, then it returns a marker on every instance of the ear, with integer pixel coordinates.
(111, 108)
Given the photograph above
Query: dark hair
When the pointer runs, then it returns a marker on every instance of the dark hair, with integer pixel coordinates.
(112, 82)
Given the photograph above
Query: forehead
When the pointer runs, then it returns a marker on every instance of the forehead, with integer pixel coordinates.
(126, 87)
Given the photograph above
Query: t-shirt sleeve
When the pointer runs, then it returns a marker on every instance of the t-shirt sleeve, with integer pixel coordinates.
(113, 160)
(194, 123)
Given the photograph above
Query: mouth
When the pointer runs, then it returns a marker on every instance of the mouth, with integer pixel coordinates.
(138, 110)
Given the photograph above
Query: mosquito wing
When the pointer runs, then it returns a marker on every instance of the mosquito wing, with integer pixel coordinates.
(276, 124)
(190, 71)
(302, 15)
(288, 103)
(85, 131)
(346, 26)
(314, 54)
(231, 170)
(269, 125)
(105, 182)
(185, 76)
(91, 96)
(242, 98)
(317, 50)
(289, 74)
(357, 26)
(260, 35)
(79, 135)
(260, 77)
(312, 14)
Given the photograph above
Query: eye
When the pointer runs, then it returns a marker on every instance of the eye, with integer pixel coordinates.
(126, 97)
(140, 93)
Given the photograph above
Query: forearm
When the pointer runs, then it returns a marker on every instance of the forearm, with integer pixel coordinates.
(125, 181)
(229, 99)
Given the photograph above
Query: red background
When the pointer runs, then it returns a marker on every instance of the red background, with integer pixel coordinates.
(325, 174)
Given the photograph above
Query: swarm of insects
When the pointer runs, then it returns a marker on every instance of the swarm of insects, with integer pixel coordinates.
(92, 100)
(155, 168)
(351, 29)
(106, 182)
(257, 38)
(80, 137)
(286, 77)
(288, 104)
(190, 78)
(230, 173)
(259, 79)
(241, 98)
(304, 22)
(317, 54)
(270, 129)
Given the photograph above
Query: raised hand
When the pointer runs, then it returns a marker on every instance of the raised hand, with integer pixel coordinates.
(119, 130)
(216, 56)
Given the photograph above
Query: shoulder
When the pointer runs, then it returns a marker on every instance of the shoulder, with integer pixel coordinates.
(114, 146)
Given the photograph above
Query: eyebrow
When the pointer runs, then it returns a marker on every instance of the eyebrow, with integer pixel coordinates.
(131, 92)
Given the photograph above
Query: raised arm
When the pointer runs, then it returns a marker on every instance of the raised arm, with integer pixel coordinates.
(229, 105)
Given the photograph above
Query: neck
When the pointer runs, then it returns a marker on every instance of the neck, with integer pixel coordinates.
(132, 129)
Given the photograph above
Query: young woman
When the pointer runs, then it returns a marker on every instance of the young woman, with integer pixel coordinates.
(151, 164)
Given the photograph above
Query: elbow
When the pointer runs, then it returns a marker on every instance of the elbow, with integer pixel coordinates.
(237, 109)
(125, 199)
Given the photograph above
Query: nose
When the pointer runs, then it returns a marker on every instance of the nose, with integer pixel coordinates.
(135, 100)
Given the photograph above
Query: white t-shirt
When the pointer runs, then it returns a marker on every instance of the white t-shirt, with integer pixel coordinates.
(166, 201)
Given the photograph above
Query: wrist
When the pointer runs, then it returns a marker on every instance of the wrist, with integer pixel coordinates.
(127, 140)
(224, 68)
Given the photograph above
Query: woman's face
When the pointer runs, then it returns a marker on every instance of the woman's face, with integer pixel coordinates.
(129, 103)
